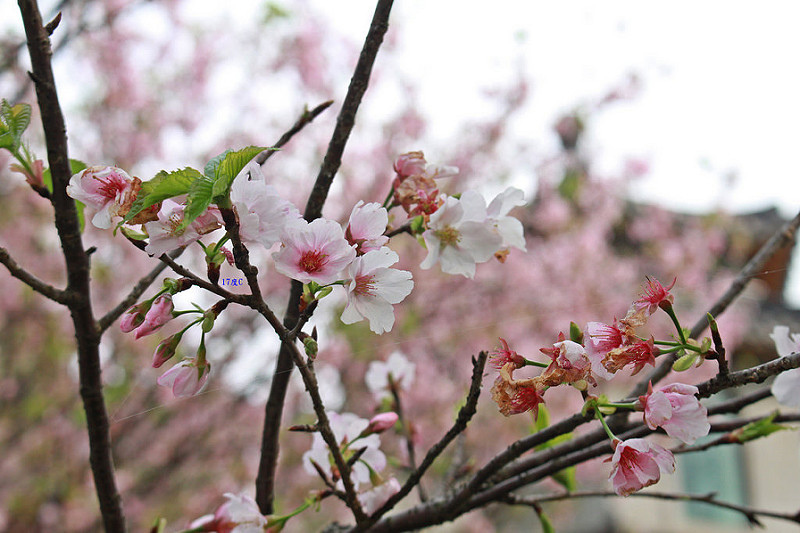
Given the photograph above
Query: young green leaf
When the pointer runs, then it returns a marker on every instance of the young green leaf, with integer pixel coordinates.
(230, 166)
(164, 185)
(197, 200)
(14, 120)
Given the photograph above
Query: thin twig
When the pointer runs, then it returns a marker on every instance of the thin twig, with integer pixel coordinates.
(265, 481)
(779, 239)
(301, 123)
(750, 513)
(46, 290)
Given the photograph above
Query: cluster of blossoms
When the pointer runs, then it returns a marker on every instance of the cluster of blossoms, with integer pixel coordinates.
(458, 231)
(598, 353)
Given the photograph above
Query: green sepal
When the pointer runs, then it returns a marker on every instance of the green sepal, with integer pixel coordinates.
(684, 362)
(164, 185)
(575, 333)
(131, 234)
(417, 225)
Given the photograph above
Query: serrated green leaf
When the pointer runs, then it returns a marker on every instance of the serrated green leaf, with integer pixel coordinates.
(230, 166)
(164, 185)
(211, 167)
(197, 201)
(758, 429)
(7, 141)
(14, 120)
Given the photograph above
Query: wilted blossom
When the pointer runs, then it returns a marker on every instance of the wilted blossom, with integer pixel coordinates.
(601, 339)
(109, 191)
(514, 397)
(373, 499)
(655, 295)
(186, 378)
(397, 370)
(611, 347)
(676, 409)
(638, 354)
(315, 251)
(373, 288)
(160, 313)
(504, 355)
(167, 235)
(638, 463)
(415, 188)
(459, 236)
(262, 213)
(569, 364)
(786, 387)
(347, 428)
(366, 226)
(240, 514)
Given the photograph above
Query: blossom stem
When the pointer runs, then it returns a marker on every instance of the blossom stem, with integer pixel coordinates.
(671, 312)
(528, 362)
(602, 420)
(387, 202)
(619, 405)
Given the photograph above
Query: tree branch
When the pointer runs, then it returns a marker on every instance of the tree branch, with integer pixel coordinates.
(265, 481)
(77, 265)
(779, 239)
(46, 290)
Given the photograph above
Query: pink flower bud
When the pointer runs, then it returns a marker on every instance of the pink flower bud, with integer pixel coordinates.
(166, 349)
(133, 317)
(381, 422)
(159, 314)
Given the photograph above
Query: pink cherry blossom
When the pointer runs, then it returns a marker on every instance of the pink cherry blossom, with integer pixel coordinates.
(409, 164)
(186, 378)
(637, 463)
(601, 339)
(500, 357)
(109, 191)
(786, 387)
(160, 313)
(366, 226)
(240, 514)
(262, 213)
(373, 499)
(397, 370)
(165, 234)
(347, 428)
(514, 397)
(655, 295)
(676, 409)
(374, 288)
(459, 236)
(315, 251)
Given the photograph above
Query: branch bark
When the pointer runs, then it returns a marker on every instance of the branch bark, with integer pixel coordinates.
(77, 265)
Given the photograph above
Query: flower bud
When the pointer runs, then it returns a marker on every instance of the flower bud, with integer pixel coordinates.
(381, 422)
(133, 317)
(166, 349)
(684, 362)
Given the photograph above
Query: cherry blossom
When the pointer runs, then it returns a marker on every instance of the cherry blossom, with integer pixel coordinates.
(347, 428)
(504, 355)
(397, 370)
(373, 499)
(514, 397)
(366, 226)
(638, 463)
(240, 514)
(569, 364)
(655, 295)
(262, 213)
(315, 251)
(109, 191)
(186, 378)
(459, 236)
(509, 228)
(676, 409)
(786, 387)
(601, 339)
(166, 234)
(373, 289)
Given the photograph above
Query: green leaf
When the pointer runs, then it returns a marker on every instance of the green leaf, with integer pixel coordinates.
(566, 478)
(230, 166)
(197, 200)
(164, 185)
(758, 429)
(14, 120)
(211, 167)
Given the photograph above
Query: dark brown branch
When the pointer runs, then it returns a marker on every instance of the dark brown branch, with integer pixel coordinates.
(265, 481)
(77, 265)
(756, 374)
(750, 513)
(465, 414)
(48, 291)
(783, 237)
